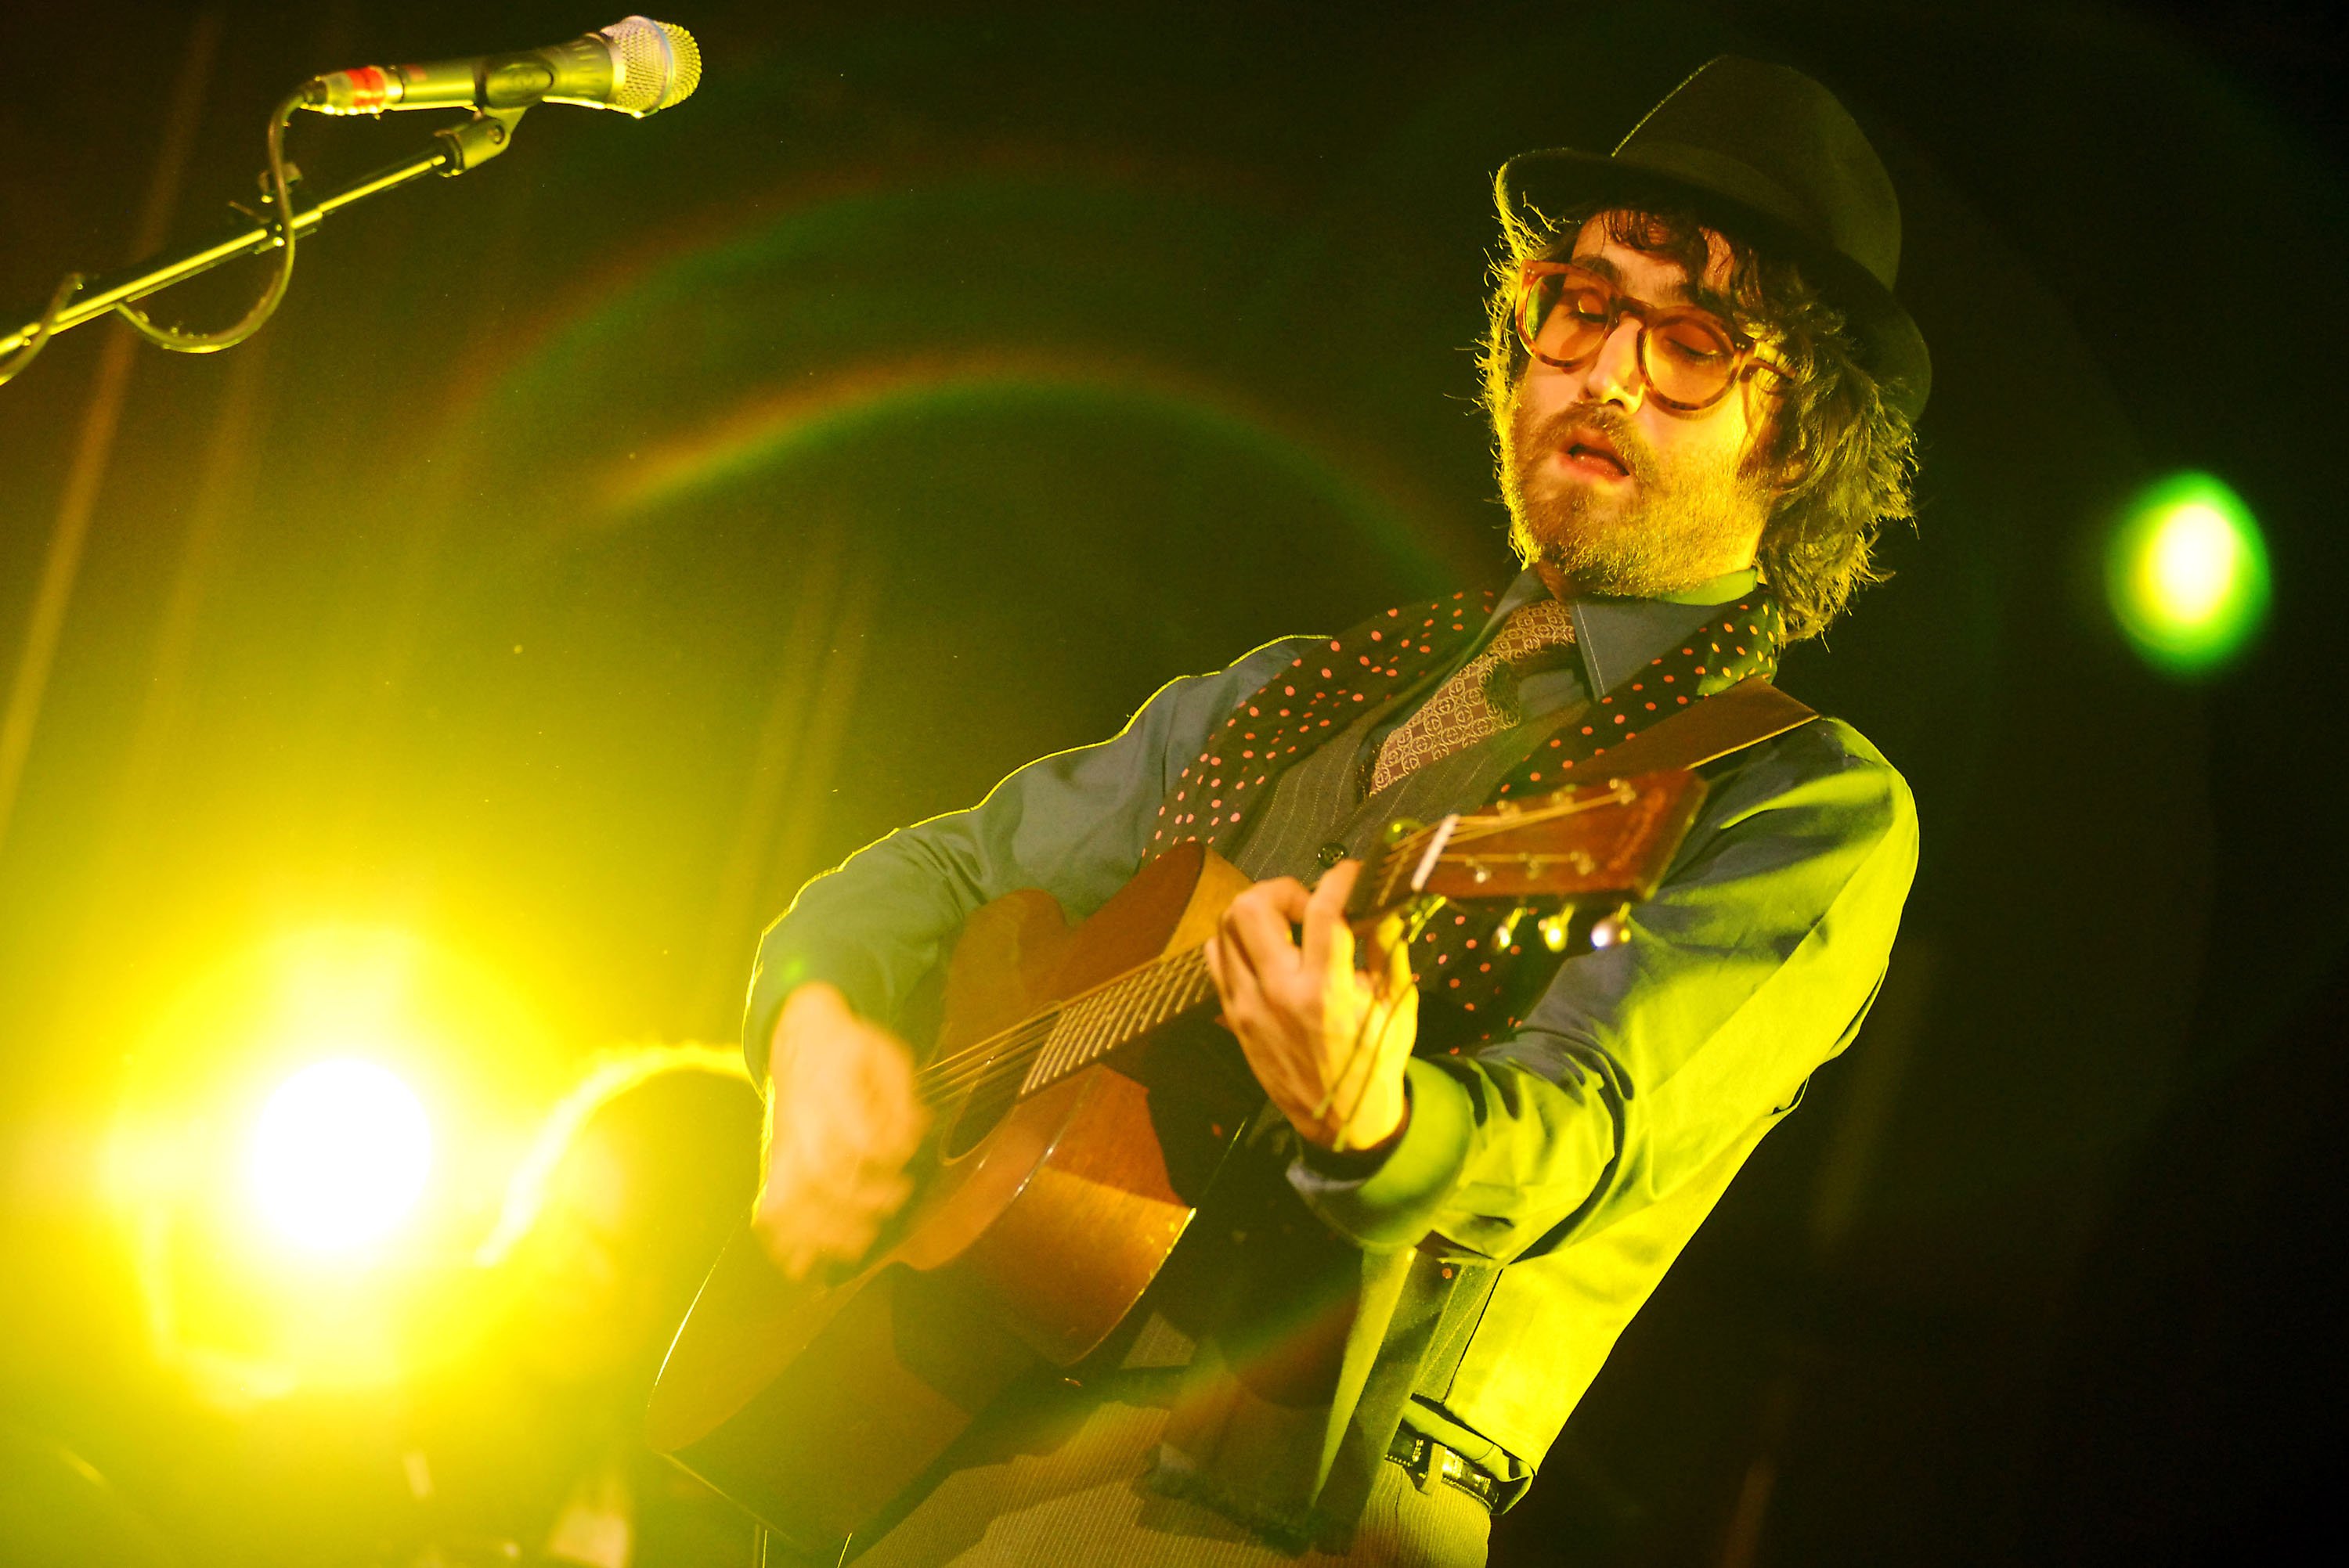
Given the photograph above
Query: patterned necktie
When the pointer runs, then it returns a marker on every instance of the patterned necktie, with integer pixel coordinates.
(1481, 699)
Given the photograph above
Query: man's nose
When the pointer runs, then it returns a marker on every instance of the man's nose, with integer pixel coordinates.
(1614, 376)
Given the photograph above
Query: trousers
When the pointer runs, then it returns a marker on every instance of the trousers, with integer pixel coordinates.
(1059, 1483)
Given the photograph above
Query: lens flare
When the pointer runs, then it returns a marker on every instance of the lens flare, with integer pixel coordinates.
(339, 1155)
(2187, 574)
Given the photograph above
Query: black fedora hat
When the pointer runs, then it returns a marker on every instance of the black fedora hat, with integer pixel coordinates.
(1766, 153)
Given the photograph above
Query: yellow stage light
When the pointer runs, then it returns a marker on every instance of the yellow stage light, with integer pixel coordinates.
(340, 1154)
(2188, 575)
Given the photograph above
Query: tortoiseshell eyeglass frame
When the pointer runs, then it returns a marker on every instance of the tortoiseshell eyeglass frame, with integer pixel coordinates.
(1743, 366)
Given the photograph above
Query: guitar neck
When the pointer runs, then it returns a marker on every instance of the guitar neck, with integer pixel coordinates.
(1087, 1027)
(1612, 840)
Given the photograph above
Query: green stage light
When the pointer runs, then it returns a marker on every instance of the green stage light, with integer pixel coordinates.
(2187, 574)
(340, 1155)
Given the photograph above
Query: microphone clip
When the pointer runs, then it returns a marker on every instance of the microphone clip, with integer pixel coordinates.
(479, 140)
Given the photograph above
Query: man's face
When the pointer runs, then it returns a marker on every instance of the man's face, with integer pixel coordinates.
(1610, 491)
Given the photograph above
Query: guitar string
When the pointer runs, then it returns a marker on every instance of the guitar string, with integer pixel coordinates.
(1484, 825)
(942, 1080)
(1014, 1060)
(997, 1055)
(1000, 1056)
(1013, 1051)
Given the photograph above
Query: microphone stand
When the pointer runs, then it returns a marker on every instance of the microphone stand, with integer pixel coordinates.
(455, 150)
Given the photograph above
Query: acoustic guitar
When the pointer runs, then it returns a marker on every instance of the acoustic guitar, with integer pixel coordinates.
(1083, 1103)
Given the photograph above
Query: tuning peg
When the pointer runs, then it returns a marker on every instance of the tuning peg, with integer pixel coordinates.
(1554, 928)
(1612, 929)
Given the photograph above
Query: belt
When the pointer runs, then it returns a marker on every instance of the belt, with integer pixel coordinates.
(1425, 1460)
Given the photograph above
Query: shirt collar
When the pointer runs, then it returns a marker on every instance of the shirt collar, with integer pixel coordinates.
(1615, 636)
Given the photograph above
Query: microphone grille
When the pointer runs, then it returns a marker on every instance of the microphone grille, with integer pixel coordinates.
(660, 65)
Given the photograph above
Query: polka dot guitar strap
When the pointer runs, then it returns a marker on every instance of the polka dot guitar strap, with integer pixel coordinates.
(1461, 973)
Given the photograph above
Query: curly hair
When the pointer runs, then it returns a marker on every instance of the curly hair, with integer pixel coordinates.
(1840, 457)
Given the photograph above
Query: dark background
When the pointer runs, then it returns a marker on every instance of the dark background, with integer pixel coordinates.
(595, 546)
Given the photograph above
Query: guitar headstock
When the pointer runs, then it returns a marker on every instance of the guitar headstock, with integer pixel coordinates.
(1609, 841)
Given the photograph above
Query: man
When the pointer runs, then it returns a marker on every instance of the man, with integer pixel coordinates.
(1701, 389)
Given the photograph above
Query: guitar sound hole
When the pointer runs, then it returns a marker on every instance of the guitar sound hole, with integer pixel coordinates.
(977, 1115)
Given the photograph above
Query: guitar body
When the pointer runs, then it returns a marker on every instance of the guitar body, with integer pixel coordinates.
(1038, 1223)
(1083, 1104)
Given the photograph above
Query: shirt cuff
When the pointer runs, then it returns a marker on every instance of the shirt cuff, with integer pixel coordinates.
(1396, 1203)
(1358, 1164)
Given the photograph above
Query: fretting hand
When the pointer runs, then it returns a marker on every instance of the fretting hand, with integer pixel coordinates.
(1328, 1042)
(844, 1123)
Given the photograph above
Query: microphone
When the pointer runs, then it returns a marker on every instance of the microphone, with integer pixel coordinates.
(636, 66)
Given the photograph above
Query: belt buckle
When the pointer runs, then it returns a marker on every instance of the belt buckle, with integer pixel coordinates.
(1420, 1462)
(1448, 1466)
(1430, 1463)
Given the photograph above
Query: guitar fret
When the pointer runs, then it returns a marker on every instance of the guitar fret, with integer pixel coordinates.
(1164, 994)
(1121, 1013)
(1089, 1027)
(1046, 1066)
(1072, 1043)
(1105, 1024)
(1194, 985)
(1154, 1006)
(1088, 1032)
(1171, 1000)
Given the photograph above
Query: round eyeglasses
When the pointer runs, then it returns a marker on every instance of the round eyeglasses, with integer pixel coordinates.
(1690, 356)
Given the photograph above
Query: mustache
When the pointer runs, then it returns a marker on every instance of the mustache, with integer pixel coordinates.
(1604, 417)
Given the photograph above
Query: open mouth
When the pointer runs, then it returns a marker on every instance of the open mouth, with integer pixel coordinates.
(1589, 453)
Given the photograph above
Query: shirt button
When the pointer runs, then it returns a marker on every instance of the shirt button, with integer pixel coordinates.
(1329, 854)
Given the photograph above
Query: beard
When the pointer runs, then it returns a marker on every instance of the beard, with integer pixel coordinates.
(1669, 532)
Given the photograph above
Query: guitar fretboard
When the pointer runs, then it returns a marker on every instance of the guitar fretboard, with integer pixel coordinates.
(1092, 1026)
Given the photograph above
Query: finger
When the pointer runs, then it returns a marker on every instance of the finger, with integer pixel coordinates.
(784, 1243)
(1341, 1095)
(866, 1200)
(1371, 1001)
(904, 1139)
(1228, 960)
(1281, 903)
(790, 1257)
(1268, 1037)
(1329, 949)
(886, 1084)
(835, 1213)
(1219, 974)
(1397, 1031)
(1286, 896)
(1371, 1058)
(800, 1253)
(882, 1065)
(1240, 988)
(1256, 934)
(1281, 1069)
(1390, 957)
(890, 1107)
(1354, 1056)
